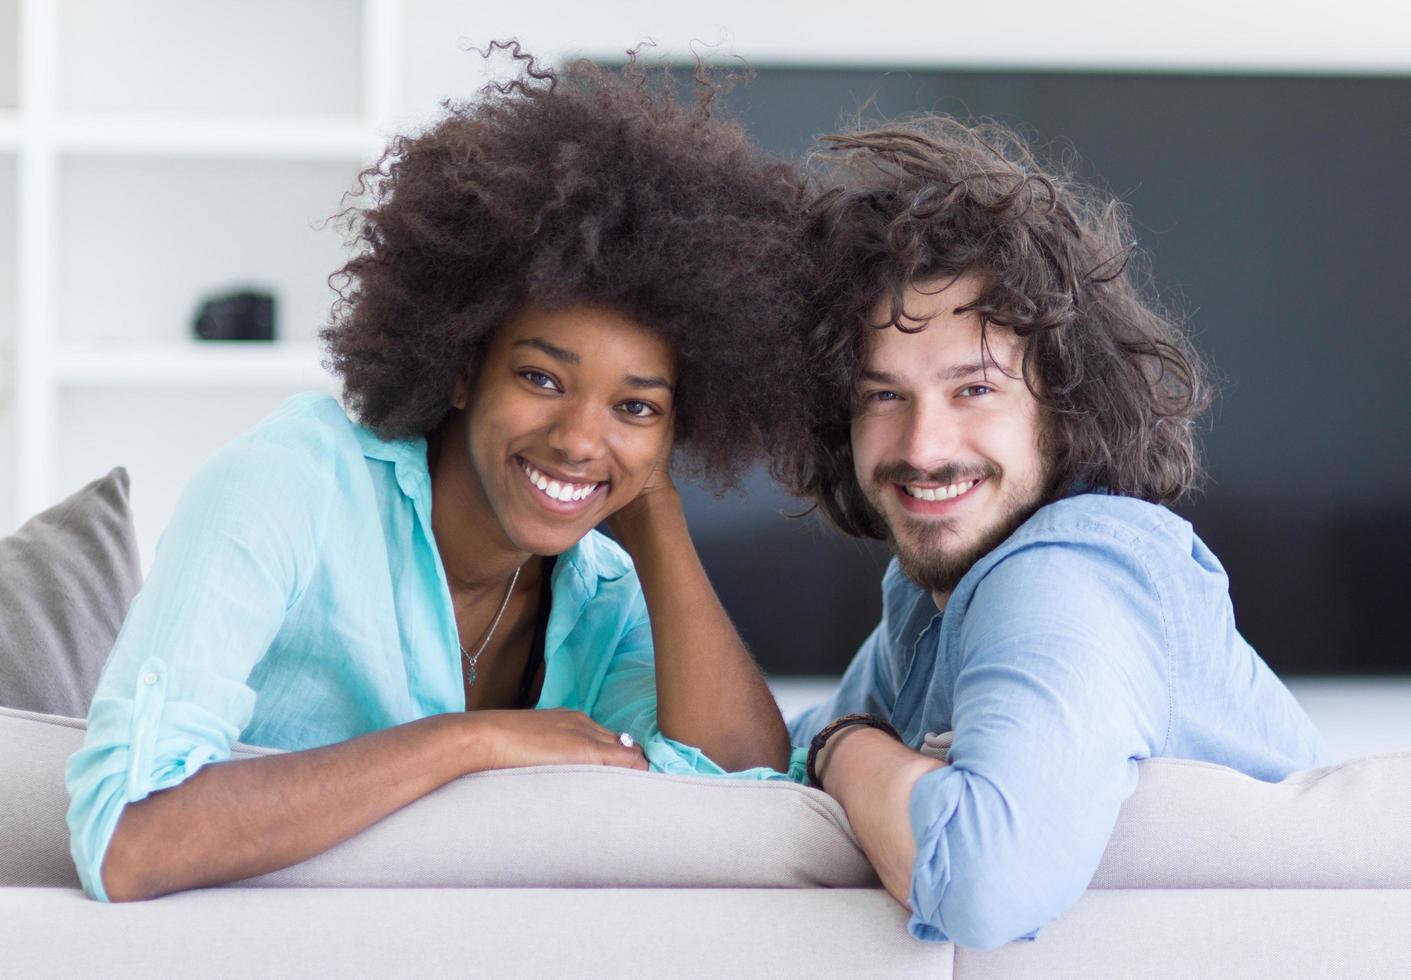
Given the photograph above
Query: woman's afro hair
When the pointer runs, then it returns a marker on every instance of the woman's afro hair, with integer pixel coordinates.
(589, 185)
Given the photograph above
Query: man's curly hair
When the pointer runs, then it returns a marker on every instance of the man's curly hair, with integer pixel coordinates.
(586, 185)
(933, 198)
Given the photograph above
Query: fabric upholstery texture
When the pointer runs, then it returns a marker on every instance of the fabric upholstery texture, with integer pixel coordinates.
(67, 577)
(429, 932)
(1196, 825)
(549, 826)
(34, 837)
(767, 933)
(598, 827)
(1285, 933)
(1189, 825)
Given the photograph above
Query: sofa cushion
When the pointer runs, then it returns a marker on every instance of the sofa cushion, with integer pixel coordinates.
(546, 826)
(1217, 933)
(630, 933)
(69, 576)
(1197, 825)
(1189, 825)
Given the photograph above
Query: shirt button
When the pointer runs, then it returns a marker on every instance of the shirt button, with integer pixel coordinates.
(149, 678)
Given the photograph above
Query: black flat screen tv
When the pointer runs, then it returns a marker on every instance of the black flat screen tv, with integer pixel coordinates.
(1275, 213)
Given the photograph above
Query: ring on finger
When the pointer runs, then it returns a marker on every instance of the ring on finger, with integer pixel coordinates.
(626, 739)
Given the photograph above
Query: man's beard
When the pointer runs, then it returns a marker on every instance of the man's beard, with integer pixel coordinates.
(927, 550)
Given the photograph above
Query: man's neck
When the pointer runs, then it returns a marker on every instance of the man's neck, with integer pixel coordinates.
(940, 599)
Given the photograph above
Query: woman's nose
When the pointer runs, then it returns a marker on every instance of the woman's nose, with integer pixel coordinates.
(576, 433)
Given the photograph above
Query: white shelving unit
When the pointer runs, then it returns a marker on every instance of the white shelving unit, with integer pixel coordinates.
(185, 364)
(153, 152)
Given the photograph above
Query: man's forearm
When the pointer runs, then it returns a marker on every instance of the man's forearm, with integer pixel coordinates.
(710, 692)
(872, 774)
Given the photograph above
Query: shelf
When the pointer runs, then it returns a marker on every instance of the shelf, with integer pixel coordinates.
(265, 137)
(169, 56)
(9, 130)
(235, 364)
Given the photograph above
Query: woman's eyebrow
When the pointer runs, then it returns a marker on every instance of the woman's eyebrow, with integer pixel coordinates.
(636, 381)
(559, 354)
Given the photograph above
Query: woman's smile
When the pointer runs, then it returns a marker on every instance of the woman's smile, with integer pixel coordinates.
(557, 491)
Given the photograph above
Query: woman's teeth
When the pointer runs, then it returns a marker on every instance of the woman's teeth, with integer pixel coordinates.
(556, 489)
(939, 493)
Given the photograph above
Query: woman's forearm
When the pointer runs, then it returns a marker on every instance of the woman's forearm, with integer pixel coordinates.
(710, 692)
(234, 820)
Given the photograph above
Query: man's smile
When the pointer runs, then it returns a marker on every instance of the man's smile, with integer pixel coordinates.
(934, 498)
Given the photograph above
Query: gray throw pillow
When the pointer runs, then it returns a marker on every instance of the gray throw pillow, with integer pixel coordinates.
(66, 579)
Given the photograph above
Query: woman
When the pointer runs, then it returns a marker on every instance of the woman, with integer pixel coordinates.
(553, 284)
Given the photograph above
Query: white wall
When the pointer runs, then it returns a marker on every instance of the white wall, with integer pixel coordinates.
(1362, 36)
(8, 192)
(138, 235)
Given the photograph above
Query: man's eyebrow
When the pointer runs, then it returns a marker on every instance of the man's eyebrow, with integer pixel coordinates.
(975, 367)
(636, 381)
(557, 353)
(879, 377)
(954, 373)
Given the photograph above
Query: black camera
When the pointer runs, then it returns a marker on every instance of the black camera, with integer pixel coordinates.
(245, 315)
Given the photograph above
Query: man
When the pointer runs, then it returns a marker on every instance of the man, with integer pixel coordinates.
(1001, 406)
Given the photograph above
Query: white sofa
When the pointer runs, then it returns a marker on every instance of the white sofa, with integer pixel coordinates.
(582, 871)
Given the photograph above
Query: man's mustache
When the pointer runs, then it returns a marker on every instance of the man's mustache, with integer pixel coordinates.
(897, 471)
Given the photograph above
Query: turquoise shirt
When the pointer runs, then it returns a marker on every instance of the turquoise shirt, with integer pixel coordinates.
(298, 599)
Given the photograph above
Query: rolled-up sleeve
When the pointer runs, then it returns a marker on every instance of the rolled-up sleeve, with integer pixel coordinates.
(1062, 689)
(173, 695)
(628, 702)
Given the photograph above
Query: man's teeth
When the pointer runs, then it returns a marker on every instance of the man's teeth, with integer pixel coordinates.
(940, 493)
(554, 488)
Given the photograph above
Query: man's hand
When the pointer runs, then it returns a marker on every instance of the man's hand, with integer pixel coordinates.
(872, 774)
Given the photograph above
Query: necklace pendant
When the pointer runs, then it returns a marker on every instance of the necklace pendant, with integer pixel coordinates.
(470, 661)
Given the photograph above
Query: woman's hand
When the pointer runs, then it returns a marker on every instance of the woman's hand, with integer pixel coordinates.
(556, 736)
(658, 490)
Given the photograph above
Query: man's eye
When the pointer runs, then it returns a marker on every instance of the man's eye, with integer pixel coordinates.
(639, 410)
(880, 396)
(970, 391)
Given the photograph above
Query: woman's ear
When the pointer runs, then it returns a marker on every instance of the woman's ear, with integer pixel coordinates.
(460, 392)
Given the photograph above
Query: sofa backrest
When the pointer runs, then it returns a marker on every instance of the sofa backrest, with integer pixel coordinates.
(1198, 825)
(1189, 825)
(549, 826)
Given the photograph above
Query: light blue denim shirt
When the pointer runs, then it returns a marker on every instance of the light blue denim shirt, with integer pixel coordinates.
(298, 599)
(1099, 634)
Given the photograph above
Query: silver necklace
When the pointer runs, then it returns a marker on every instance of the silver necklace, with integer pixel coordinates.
(471, 661)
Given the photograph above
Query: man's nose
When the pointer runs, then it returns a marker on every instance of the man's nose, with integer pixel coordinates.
(931, 437)
(576, 434)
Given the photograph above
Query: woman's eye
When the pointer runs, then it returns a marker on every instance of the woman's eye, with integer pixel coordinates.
(639, 410)
(540, 380)
(880, 396)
